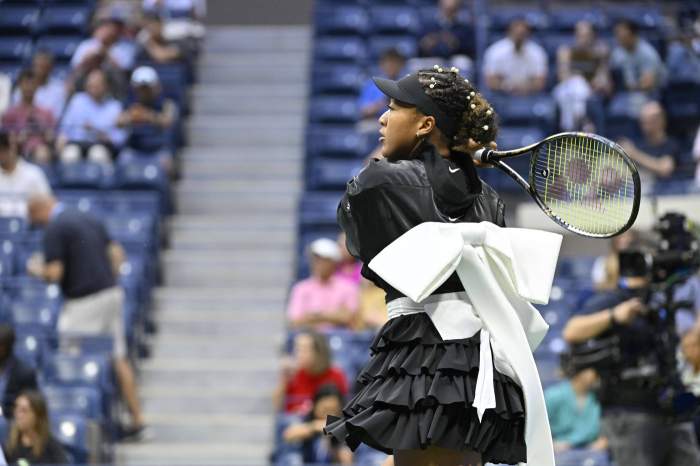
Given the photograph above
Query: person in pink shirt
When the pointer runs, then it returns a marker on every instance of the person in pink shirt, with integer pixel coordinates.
(323, 300)
(33, 126)
(348, 267)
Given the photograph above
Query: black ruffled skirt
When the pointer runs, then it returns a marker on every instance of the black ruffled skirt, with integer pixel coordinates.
(417, 390)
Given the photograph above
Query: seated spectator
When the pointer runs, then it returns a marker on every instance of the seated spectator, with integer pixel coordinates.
(106, 50)
(605, 273)
(448, 37)
(348, 268)
(15, 376)
(636, 66)
(657, 153)
(574, 412)
(516, 52)
(51, 92)
(80, 256)
(324, 300)
(690, 361)
(683, 55)
(19, 179)
(183, 18)
(148, 118)
(152, 46)
(195, 9)
(33, 126)
(30, 440)
(372, 101)
(303, 375)
(5, 92)
(583, 73)
(317, 448)
(89, 126)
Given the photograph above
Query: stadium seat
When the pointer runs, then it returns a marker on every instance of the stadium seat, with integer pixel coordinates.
(82, 175)
(335, 141)
(552, 41)
(31, 344)
(565, 18)
(92, 370)
(72, 431)
(334, 109)
(85, 201)
(18, 19)
(513, 137)
(332, 173)
(42, 311)
(682, 102)
(406, 45)
(351, 49)
(394, 19)
(619, 121)
(12, 226)
(62, 47)
(15, 49)
(341, 19)
(65, 19)
(76, 344)
(539, 110)
(644, 16)
(173, 80)
(319, 208)
(285, 454)
(337, 78)
(79, 401)
(140, 174)
(131, 227)
(501, 17)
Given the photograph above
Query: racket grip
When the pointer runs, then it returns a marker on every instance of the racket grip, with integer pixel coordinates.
(482, 155)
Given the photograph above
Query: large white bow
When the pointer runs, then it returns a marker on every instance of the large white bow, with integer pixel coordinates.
(503, 271)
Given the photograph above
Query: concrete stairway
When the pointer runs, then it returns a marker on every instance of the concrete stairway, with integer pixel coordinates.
(207, 389)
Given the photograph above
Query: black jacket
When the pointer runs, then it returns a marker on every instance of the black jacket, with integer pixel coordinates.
(386, 199)
(20, 377)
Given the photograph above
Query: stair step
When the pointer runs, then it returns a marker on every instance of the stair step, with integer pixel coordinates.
(224, 137)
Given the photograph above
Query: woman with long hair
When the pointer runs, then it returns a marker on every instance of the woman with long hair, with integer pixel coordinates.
(30, 440)
(417, 392)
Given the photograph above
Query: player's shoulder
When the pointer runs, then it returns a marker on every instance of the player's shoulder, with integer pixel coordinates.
(381, 173)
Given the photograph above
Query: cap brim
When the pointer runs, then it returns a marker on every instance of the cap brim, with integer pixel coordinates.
(391, 89)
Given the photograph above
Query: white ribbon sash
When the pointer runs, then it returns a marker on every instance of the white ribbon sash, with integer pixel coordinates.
(503, 270)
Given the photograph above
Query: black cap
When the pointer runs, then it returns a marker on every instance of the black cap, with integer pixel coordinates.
(410, 91)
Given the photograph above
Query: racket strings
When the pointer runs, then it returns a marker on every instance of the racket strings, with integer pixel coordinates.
(586, 183)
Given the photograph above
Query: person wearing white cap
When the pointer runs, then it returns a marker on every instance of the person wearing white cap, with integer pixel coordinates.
(148, 117)
(323, 300)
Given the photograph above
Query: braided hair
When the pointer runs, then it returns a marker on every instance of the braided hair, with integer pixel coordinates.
(462, 103)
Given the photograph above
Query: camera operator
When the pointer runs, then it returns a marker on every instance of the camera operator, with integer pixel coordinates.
(629, 334)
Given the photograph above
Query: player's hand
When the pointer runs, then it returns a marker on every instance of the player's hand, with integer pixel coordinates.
(318, 424)
(624, 312)
(472, 146)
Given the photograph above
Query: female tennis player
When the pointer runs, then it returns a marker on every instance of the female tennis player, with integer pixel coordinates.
(416, 400)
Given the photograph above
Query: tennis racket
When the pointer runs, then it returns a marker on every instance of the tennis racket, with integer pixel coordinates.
(584, 182)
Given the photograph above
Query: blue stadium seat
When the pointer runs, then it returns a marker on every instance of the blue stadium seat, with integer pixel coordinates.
(285, 454)
(4, 429)
(81, 370)
(131, 227)
(335, 141)
(585, 457)
(66, 19)
(319, 208)
(429, 15)
(31, 344)
(76, 344)
(140, 174)
(173, 80)
(342, 19)
(15, 49)
(501, 17)
(332, 173)
(18, 19)
(82, 175)
(512, 137)
(682, 102)
(72, 432)
(334, 109)
(351, 49)
(551, 41)
(565, 18)
(35, 311)
(644, 16)
(619, 121)
(407, 45)
(62, 47)
(539, 110)
(85, 402)
(12, 226)
(394, 19)
(128, 202)
(337, 78)
(85, 201)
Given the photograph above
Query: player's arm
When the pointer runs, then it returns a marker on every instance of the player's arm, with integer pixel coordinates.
(585, 327)
(116, 255)
(51, 272)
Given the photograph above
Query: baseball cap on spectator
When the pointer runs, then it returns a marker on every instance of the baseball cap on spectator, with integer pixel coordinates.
(326, 248)
(144, 76)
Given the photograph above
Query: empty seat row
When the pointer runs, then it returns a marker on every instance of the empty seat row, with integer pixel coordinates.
(35, 20)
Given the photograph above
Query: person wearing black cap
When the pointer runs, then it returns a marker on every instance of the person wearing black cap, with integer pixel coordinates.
(417, 393)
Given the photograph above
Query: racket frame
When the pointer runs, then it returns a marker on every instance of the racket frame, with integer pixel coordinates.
(495, 158)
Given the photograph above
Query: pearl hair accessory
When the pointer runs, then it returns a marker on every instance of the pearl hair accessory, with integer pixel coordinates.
(432, 78)
(472, 93)
(486, 127)
(466, 81)
(431, 85)
(473, 106)
(489, 112)
(436, 67)
(454, 69)
(469, 97)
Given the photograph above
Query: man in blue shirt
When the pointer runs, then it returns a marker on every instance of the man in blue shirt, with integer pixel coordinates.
(372, 101)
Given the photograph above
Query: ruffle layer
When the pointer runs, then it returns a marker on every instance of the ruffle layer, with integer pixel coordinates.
(418, 390)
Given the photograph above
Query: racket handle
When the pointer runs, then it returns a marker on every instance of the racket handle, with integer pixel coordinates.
(483, 155)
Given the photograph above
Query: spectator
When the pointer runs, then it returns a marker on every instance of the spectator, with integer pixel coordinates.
(80, 256)
(635, 65)
(348, 268)
(574, 412)
(690, 361)
(19, 179)
(51, 92)
(15, 376)
(105, 50)
(317, 448)
(605, 273)
(5, 91)
(152, 46)
(657, 153)
(683, 55)
(195, 9)
(30, 440)
(516, 52)
(323, 300)
(373, 312)
(89, 125)
(306, 373)
(372, 101)
(149, 118)
(448, 37)
(33, 125)
(583, 74)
